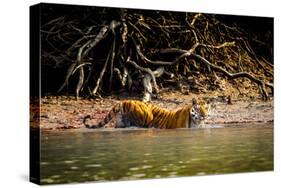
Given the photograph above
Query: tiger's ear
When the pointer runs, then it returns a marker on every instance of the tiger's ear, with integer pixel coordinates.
(194, 101)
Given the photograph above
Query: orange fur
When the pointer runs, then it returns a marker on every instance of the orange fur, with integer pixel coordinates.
(149, 115)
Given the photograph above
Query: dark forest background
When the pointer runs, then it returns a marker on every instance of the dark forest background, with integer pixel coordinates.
(96, 51)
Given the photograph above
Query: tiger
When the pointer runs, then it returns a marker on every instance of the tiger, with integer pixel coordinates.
(147, 115)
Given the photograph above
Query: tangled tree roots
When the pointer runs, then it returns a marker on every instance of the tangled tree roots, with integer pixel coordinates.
(141, 46)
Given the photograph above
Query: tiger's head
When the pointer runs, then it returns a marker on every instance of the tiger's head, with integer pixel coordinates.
(199, 111)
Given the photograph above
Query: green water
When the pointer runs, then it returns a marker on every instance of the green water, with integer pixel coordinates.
(102, 155)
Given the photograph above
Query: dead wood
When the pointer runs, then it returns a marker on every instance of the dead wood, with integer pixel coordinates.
(107, 53)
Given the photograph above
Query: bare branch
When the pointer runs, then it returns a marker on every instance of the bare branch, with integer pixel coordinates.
(147, 70)
(237, 75)
(94, 91)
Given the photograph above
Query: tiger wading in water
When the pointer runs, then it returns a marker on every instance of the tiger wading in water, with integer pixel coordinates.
(147, 115)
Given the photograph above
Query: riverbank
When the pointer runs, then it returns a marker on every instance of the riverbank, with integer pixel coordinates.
(65, 112)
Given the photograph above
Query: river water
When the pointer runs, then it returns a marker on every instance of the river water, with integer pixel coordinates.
(123, 154)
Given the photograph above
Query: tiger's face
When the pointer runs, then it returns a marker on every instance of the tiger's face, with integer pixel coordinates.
(199, 111)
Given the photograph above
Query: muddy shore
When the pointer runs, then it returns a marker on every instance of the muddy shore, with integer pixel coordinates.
(65, 112)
